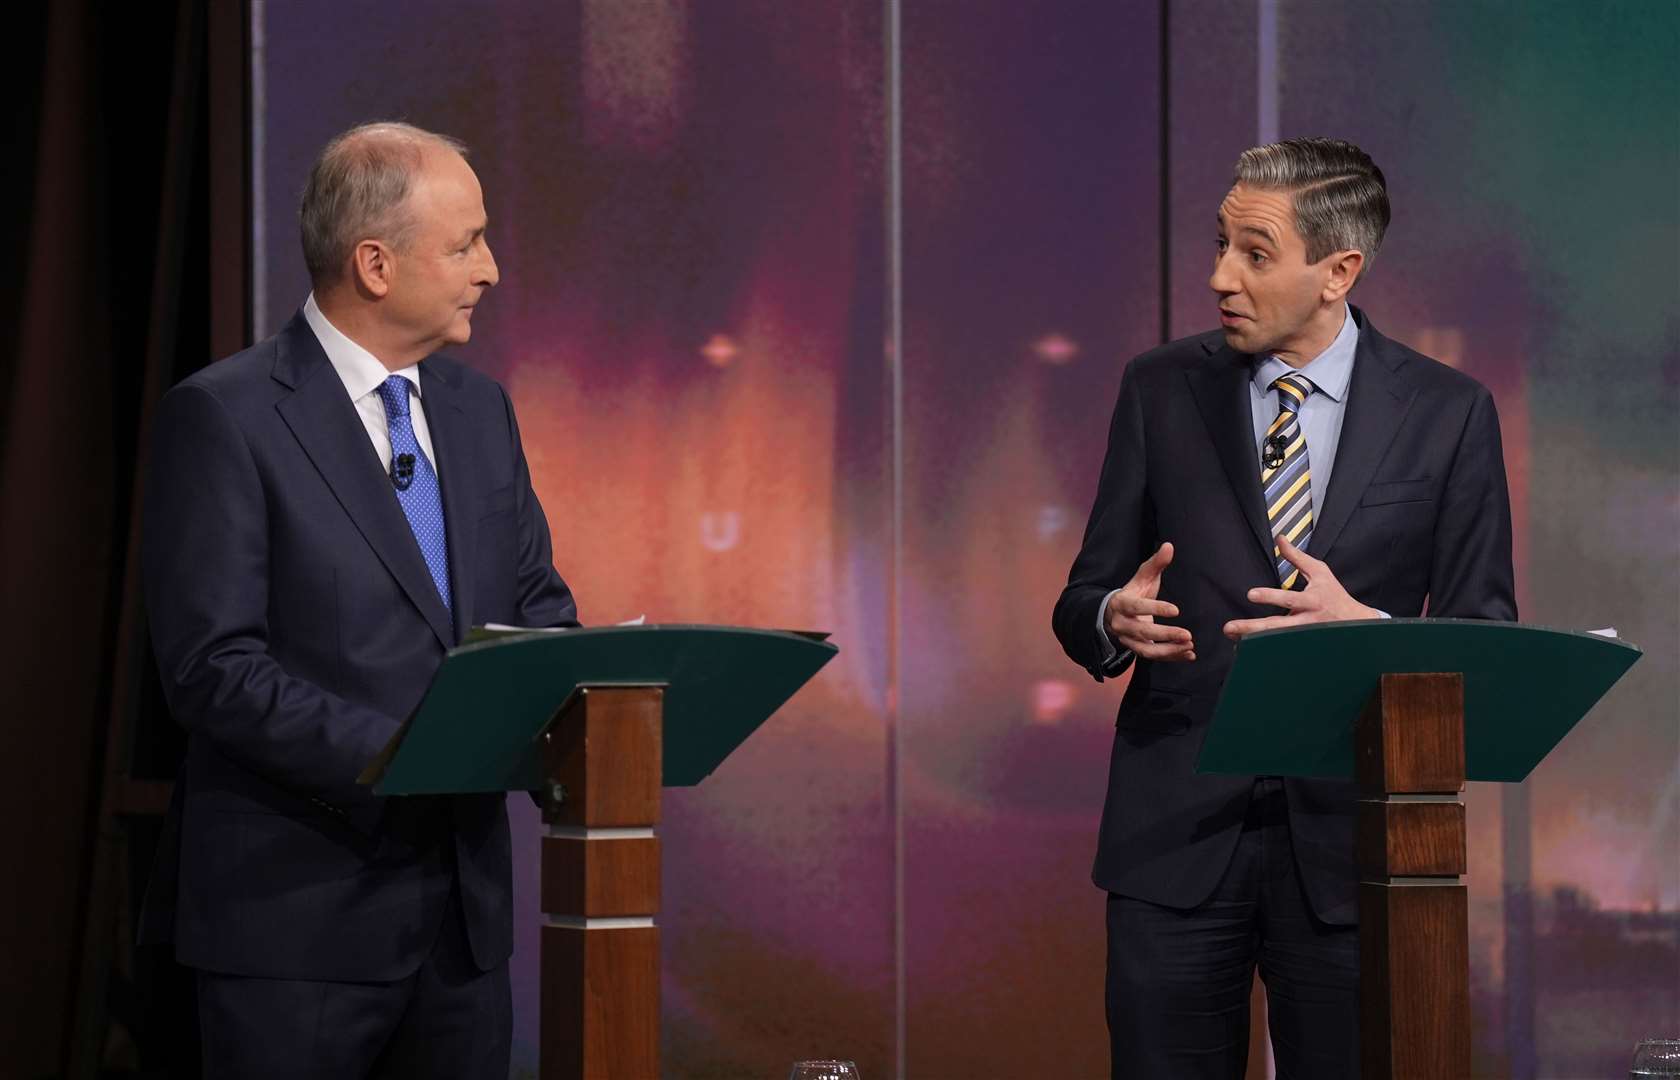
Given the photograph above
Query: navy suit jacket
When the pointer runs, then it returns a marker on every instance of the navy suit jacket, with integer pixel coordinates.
(295, 626)
(1416, 511)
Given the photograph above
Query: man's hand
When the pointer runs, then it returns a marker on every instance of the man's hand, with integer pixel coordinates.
(1323, 600)
(1131, 614)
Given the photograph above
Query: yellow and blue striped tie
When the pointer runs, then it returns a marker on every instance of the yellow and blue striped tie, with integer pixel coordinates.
(1286, 475)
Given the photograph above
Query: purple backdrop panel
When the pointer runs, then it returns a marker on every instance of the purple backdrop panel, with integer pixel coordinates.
(1031, 255)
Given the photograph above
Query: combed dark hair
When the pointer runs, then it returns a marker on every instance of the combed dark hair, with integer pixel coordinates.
(358, 189)
(1339, 194)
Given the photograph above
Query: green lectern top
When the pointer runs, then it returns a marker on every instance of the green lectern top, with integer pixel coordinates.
(477, 728)
(1524, 689)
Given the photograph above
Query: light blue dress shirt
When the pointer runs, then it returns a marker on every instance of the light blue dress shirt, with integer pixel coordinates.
(1320, 418)
(1321, 414)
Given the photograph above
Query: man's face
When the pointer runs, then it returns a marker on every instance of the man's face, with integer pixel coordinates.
(447, 265)
(1268, 293)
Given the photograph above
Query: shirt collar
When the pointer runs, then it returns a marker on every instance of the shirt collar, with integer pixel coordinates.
(359, 370)
(1329, 371)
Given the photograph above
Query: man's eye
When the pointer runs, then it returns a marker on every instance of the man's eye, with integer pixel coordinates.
(1257, 257)
(1220, 243)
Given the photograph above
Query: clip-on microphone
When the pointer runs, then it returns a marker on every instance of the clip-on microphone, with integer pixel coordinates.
(402, 471)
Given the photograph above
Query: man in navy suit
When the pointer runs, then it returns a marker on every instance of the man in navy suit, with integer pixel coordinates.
(327, 513)
(1297, 428)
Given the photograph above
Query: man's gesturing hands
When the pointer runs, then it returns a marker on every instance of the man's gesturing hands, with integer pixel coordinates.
(1131, 614)
(1323, 600)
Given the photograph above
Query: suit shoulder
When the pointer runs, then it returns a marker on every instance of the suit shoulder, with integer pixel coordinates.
(1431, 374)
(1168, 360)
(473, 384)
(237, 380)
(1176, 353)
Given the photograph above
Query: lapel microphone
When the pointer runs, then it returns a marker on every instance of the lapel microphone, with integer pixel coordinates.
(1272, 457)
(402, 471)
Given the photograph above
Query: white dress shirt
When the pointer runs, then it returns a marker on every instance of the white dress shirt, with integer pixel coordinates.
(361, 373)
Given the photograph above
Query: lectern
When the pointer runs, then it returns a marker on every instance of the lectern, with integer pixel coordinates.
(1411, 708)
(593, 723)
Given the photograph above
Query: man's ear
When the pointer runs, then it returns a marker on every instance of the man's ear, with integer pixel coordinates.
(373, 268)
(1345, 268)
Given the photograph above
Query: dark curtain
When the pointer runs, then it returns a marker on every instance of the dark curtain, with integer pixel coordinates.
(104, 271)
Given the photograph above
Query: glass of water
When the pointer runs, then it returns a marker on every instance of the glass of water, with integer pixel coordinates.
(823, 1070)
(1656, 1058)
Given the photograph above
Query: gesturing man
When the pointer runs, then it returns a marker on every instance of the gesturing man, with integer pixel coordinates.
(327, 512)
(1293, 467)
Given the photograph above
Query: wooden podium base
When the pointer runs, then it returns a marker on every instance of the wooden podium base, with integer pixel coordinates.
(600, 1002)
(600, 887)
(1414, 936)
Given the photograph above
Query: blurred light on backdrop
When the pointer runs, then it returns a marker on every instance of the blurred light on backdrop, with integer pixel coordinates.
(720, 350)
(1051, 700)
(720, 530)
(1056, 348)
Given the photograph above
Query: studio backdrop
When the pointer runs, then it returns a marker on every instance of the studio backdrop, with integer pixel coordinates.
(813, 315)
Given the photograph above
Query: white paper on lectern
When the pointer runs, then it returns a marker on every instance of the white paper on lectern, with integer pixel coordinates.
(504, 628)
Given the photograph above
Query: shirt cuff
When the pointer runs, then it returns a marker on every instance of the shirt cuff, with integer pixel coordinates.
(1113, 658)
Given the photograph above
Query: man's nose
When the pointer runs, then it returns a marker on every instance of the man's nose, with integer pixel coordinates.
(1222, 281)
(488, 274)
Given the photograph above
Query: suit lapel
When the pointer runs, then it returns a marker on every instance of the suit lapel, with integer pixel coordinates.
(1379, 397)
(325, 423)
(440, 397)
(1220, 387)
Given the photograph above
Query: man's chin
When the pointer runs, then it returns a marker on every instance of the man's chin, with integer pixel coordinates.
(1242, 339)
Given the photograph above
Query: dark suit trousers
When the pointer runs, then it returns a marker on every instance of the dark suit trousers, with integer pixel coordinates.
(1178, 981)
(448, 1020)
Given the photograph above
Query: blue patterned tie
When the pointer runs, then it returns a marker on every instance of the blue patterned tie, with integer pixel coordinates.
(421, 501)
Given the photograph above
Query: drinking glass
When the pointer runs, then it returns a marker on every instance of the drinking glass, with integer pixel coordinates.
(823, 1070)
(1656, 1058)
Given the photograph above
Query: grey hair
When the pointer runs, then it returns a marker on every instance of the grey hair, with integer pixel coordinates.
(358, 188)
(1338, 193)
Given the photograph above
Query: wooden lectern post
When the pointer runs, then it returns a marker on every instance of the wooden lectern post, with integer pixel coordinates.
(600, 886)
(1414, 933)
